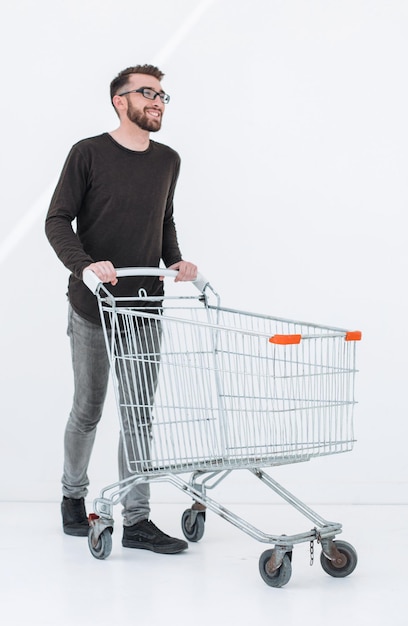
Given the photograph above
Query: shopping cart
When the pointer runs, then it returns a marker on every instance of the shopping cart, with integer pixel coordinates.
(205, 390)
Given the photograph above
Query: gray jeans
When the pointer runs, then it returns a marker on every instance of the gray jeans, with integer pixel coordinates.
(91, 375)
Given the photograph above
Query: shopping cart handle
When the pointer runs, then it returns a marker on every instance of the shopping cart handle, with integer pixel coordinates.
(92, 281)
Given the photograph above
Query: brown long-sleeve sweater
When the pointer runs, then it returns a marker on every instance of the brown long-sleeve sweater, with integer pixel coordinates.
(122, 201)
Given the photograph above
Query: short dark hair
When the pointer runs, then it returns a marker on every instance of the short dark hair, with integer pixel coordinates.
(122, 78)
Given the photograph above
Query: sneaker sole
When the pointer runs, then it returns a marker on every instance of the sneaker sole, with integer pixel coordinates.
(170, 549)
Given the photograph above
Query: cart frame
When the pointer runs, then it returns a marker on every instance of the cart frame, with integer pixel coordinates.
(306, 389)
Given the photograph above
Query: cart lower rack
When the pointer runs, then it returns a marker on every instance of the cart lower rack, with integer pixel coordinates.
(204, 390)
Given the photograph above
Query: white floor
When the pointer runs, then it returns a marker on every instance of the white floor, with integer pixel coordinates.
(48, 578)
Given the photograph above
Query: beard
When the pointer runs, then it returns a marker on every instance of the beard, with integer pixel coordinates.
(143, 121)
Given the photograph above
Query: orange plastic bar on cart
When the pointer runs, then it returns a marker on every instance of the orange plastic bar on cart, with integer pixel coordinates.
(353, 335)
(285, 340)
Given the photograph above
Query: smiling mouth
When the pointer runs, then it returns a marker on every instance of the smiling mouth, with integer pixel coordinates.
(154, 113)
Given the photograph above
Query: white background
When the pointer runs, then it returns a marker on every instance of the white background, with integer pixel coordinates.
(291, 121)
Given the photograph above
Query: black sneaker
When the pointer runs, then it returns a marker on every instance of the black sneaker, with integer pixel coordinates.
(74, 518)
(147, 536)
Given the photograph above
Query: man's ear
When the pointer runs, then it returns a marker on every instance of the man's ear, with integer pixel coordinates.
(120, 103)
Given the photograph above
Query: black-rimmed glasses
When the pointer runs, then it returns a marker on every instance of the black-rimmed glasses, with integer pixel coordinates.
(149, 93)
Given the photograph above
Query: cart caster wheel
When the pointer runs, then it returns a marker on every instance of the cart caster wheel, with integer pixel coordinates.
(195, 531)
(344, 565)
(103, 546)
(279, 577)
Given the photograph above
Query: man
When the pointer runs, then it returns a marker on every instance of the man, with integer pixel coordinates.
(119, 187)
